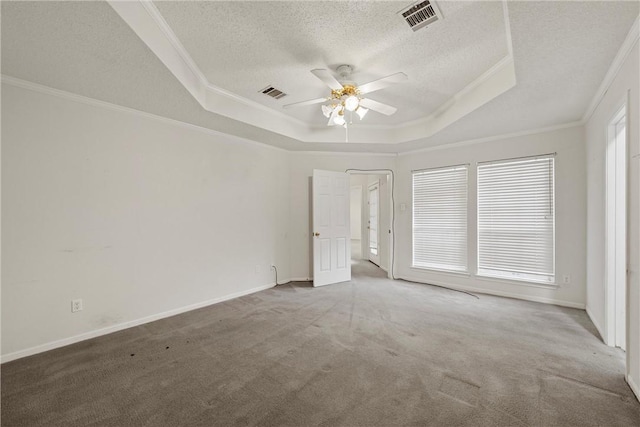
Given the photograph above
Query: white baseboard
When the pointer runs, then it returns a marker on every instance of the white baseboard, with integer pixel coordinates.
(115, 328)
(544, 300)
(634, 387)
(299, 279)
(596, 324)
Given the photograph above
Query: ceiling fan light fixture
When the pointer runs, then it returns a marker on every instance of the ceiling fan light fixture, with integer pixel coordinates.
(327, 110)
(346, 95)
(361, 112)
(351, 103)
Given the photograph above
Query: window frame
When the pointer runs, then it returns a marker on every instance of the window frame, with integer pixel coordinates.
(539, 279)
(465, 253)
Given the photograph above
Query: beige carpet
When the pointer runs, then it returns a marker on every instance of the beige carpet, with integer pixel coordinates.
(367, 352)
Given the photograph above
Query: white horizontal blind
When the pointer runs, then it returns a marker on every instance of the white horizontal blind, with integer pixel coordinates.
(516, 219)
(440, 219)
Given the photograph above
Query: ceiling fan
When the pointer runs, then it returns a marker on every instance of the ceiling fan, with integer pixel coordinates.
(347, 96)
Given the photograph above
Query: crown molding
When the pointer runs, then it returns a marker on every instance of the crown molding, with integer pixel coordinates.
(162, 24)
(465, 143)
(625, 50)
(140, 17)
(502, 75)
(345, 153)
(35, 87)
(149, 25)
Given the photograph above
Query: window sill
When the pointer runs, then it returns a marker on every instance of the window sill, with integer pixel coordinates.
(517, 282)
(438, 271)
(550, 286)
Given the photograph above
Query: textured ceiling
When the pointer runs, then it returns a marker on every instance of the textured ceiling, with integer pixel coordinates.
(243, 46)
(561, 50)
(86, 48)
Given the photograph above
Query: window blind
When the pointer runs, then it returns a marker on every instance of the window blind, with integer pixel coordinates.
(516, 219)
(440, 218)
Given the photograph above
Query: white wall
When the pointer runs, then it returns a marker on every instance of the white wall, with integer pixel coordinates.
(356, 211)
(136, 216)
(302, 166)
(141, 217)
(570, 213)
(625, 84)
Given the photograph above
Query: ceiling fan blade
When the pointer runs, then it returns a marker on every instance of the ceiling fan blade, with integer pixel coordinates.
(385, 109)
(303, 103)
(382, 83)
(327, 78)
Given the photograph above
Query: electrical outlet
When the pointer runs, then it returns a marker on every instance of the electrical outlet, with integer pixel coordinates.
(258, 268)
(76, 305)
(566, 279)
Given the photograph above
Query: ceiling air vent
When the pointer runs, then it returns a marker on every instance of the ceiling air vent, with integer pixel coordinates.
(273, 92)
(421, 14)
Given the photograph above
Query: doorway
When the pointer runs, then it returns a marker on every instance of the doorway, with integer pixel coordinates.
(373, 223)
(376, 219)
(616, 229)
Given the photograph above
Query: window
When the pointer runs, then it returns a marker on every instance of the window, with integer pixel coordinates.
(440, 219)
(516, 219)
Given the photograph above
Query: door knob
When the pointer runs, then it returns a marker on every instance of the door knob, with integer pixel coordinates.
(316, 234)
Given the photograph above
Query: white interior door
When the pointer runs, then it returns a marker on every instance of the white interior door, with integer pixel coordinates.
(616, 233)
(374, 223)
(620, 234)
(331, 228)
